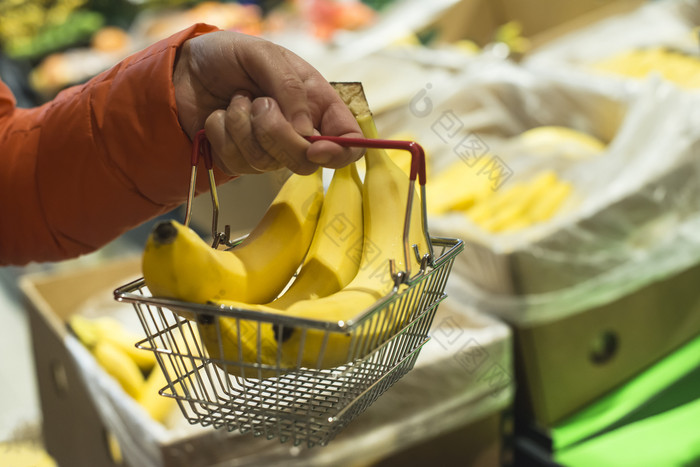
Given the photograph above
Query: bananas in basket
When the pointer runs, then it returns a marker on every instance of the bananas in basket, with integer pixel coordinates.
(341, 244)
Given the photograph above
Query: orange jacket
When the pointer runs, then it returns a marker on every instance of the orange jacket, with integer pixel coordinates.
(96, 161)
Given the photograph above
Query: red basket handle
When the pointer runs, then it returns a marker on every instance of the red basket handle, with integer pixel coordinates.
(202, 148)
(417, 152)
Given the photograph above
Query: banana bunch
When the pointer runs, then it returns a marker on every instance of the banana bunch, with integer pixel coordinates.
(343, 268)
(332, 262)
(177, 263)
(511, 208)
(384, 193)
(522, 204)
(457, 188)
(675, 66)
(465, 189)
(558, 142)
(135, 370)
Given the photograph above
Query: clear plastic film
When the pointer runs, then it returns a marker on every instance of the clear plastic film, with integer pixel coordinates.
(651, 29)
(631, 218)
(665, 23)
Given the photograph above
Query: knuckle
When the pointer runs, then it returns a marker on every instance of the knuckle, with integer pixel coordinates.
(237, 119)
(293, 84)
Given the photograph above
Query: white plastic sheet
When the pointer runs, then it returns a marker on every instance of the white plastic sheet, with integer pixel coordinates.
(634, 216)
(666, 23)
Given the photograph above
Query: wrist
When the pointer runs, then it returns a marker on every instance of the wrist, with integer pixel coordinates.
(184, 93)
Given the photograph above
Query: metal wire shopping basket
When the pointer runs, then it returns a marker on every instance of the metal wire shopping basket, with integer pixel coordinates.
(295, 403)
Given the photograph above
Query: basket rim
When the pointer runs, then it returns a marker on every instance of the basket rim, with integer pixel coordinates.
(129, 293)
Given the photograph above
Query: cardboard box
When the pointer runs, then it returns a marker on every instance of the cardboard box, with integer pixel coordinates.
(566, 362)
(564, 365)
(651, 401)
(76, 433)
(73, 432)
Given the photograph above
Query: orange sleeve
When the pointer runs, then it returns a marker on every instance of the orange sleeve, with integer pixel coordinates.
(96, 161)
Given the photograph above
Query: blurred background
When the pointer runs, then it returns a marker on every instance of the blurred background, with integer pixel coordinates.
(561, 142)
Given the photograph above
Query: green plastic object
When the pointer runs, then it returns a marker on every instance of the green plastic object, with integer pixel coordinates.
(652, 420)
(671, 438)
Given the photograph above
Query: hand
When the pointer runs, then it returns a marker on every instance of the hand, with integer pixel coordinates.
(256, 101)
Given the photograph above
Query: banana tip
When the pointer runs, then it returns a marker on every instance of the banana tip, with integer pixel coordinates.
(164, 233)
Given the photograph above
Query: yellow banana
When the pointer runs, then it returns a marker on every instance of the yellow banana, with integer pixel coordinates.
(674, 65)
(489, 208)
(92, 330)
(118, 364)
(257, 343)
(182, 342)
(549, 203)
(157, 406)
(85, 330)
(25, 453)
(522, 205)
(457, 188)
(518, 207)
(559, 141)
(333, 258)
(113, 331)
(177, 263)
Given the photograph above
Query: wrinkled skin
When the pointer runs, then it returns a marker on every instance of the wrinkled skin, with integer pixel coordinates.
(256, 101)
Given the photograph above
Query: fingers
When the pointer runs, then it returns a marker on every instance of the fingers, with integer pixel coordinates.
(331, 155)
(278, 137)
(257, 100)
(337, 120)
(228, 153)
(307, 97)
(254, 137)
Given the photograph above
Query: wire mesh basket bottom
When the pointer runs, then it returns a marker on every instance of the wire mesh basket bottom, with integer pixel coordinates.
(298, 403)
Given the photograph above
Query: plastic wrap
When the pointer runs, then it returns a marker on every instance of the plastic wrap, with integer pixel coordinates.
(632, 218)
(462, 375)
(662, 23)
